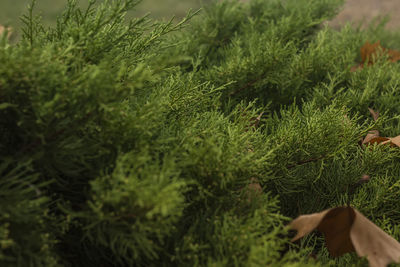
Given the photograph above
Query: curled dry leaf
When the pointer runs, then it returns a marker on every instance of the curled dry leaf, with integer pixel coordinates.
(375, 114)
(373, 136)
(377, 140)
(347, 230)
(370, 52)
(392, 141)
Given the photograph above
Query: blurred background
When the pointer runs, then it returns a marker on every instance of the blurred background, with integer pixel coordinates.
(353, 10)
(11, 10)
(364, 10)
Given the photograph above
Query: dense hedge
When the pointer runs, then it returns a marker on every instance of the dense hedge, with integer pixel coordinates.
(137, 144)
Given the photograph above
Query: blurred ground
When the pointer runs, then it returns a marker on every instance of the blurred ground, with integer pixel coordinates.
(365, 10)
(354, 10)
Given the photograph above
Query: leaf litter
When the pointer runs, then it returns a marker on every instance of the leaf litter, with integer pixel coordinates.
(371, 52)
(373, 136)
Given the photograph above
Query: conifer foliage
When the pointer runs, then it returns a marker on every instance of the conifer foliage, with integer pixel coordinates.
(143, 143)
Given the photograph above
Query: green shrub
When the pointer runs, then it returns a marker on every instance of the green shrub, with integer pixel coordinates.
(137, 143)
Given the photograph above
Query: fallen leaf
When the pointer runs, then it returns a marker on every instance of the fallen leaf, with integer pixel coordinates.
(394, 141)
(377, 140)
(371, 52)
(368, 50)
(375, 114)
(347, 230)
(3, 30)
(373, 134)
(394, 55)
(338, 239)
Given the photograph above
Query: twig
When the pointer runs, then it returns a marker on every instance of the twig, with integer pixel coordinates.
(247, 85)
(304, 162)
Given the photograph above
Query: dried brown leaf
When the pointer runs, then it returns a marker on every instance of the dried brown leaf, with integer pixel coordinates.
(372, 242)
(394, 55)
(375, 114)
(372, 137)
(368, 50)
(373, 133)
(346, 230)
(378, 140)
(371, 52)
(394, 141)
(4, 29)
(334, 223)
